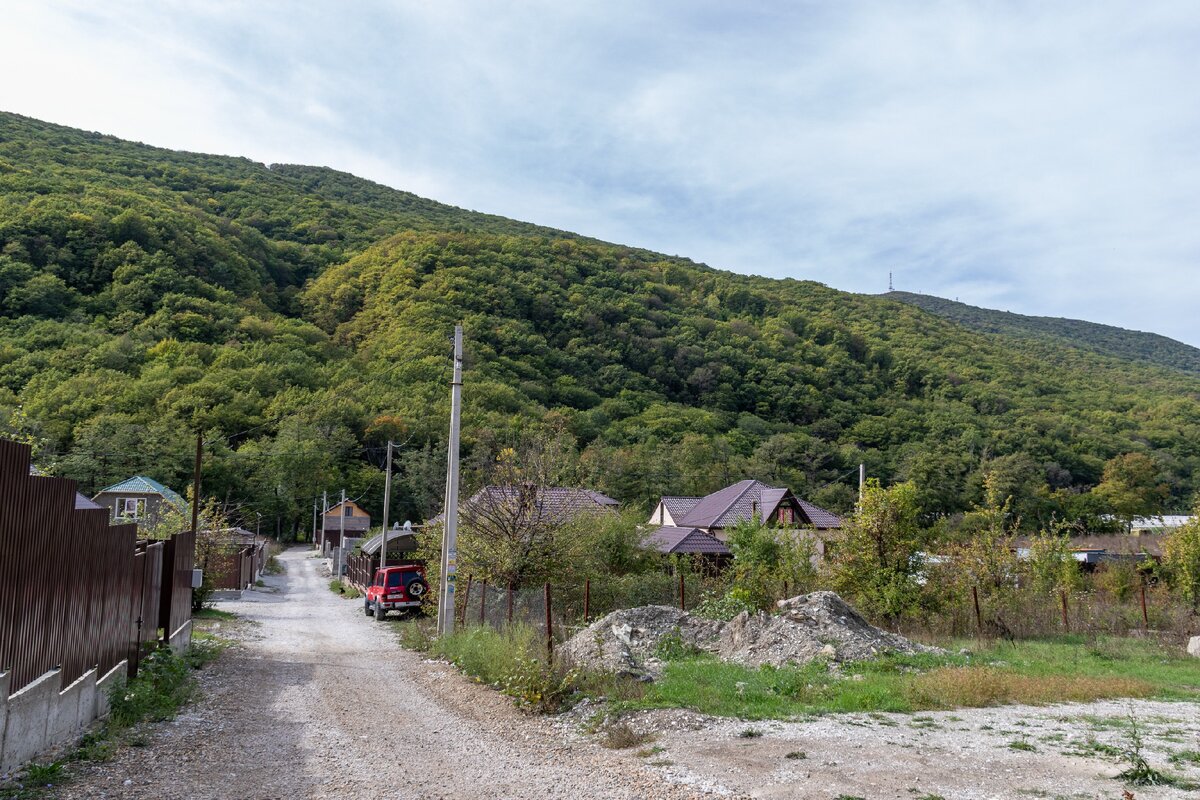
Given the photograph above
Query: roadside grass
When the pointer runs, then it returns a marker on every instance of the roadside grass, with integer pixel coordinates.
(344, 590)
(1063, 669)
(213, 613)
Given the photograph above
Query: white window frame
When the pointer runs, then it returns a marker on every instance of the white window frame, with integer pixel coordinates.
(139, 507)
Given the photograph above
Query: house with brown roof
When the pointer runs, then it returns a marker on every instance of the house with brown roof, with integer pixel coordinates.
(701, 524)
(349, 517)
(551, 505)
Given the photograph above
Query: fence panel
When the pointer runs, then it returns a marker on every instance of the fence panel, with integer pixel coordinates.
(72, 587)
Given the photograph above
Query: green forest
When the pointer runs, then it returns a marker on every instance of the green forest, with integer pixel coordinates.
(298, 318)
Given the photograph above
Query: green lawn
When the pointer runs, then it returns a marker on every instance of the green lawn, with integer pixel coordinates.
(1038, 672)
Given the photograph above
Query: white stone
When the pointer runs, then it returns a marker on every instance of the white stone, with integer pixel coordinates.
(1194, 647)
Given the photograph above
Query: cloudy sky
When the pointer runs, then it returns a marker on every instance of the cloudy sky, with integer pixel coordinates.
(1037, 157)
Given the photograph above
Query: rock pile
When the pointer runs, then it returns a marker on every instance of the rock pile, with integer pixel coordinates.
(629, 642)
(813, 626)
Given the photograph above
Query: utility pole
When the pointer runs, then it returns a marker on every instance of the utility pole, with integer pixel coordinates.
(387, 501)
(196, 485)
(324, 508)
(341, 534)
(450, 525)
(314, 533)
(862, 480)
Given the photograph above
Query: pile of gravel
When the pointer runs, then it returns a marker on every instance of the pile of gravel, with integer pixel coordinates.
(813, 626)
(628, 642)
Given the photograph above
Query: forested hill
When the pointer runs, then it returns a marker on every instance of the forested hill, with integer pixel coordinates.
(1150, 348)
(300, 317)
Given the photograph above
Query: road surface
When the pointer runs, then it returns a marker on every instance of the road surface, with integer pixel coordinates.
(319, 701)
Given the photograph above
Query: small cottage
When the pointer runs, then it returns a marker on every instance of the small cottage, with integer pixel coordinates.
(139, 499)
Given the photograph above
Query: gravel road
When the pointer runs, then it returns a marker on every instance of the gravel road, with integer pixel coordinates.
(318, 701)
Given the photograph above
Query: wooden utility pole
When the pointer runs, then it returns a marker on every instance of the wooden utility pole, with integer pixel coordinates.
(450, 524)
(387, 503)
(196, 485)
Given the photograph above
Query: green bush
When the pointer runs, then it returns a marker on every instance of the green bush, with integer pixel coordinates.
(727, 606)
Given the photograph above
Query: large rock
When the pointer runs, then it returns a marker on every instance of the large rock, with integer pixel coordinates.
(812, 626)
(628, 641)
(1194, 647)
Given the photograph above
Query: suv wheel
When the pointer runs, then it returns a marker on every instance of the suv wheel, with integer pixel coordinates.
(370, 612)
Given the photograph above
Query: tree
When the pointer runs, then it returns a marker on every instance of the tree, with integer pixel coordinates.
(1132, 486)
(878, 560)
(1181, 558)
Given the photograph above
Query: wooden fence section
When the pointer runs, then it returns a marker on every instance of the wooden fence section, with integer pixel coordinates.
(360, 567)
(238, 568)
(76, 592)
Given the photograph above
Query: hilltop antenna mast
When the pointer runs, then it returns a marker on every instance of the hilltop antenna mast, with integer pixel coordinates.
(890, 287)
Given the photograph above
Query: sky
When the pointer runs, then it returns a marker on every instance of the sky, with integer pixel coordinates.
(1034, 157)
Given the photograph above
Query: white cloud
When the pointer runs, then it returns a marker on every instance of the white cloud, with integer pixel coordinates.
(1036, 155)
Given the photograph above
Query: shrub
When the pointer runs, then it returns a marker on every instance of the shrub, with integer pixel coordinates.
(727, 606)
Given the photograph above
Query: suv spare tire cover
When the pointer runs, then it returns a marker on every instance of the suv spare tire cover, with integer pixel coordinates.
(416, 587)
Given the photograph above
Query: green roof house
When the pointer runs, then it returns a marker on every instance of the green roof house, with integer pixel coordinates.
(139, 499)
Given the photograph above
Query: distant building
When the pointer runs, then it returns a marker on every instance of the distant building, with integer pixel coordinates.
(1140, 526)
(349, 517)
(139, 499)
(702, 524)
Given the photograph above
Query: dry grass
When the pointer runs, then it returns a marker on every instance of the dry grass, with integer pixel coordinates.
(619, 736)
(952, 687)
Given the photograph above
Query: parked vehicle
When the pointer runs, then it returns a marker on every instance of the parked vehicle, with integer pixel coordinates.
(396, 589)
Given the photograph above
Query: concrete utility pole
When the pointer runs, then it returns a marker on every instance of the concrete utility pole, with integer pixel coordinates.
(324, 508)
(314, 533)
(196, 485)
(341, 548)
(862, 480)
(387, 501)
(450, 524)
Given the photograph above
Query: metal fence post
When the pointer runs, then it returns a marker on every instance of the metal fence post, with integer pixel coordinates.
(466, 600)
(549, 628)
(978, 616)
(587, 599)
(1066, 624)
(510, 602)
(1145, 616)
(682, 607)
(483, 602)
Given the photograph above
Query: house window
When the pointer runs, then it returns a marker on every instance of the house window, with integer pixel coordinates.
(131, 507)
(349, 512)
(787, 515)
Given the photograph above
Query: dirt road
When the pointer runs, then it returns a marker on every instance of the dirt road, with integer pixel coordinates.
(320, 702)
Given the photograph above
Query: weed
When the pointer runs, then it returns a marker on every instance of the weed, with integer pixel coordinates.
(750, 733)
(1139, 772)
(1185, 757)
(662, 762)
(1022, 744)
(619, 736)
(796, 755)
(213, 613)
(672, 647)
(650, 751)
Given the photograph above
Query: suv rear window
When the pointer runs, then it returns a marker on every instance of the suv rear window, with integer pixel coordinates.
(395, 579)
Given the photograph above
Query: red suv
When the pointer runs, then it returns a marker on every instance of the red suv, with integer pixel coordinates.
(396, 589)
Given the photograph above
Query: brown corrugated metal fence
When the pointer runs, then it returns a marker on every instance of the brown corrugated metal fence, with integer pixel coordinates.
(72, 587)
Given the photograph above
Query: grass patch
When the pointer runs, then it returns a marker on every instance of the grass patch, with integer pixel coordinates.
(1185, 757)
(213, 613)
(344, 590)
(750, 733)
(796, 755)
(1063, 669)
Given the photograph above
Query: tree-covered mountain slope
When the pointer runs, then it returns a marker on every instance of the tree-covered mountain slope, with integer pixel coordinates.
(300, 317)
(1149, 348)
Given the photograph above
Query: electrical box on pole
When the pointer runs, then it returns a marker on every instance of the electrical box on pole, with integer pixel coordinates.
(450, 518)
